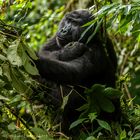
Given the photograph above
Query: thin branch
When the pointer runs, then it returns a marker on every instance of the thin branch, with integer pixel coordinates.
(18, 118)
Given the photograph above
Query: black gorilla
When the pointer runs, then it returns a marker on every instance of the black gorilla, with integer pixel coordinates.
(68, 60)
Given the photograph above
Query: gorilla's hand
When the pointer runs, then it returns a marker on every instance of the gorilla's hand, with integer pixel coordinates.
(72, 51)
(49, 54)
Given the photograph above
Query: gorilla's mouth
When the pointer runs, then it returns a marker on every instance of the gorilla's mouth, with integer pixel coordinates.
(61, 38)
(61, 41)
(64, 38)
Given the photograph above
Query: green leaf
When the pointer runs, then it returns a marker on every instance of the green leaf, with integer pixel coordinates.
(12, 54)
(92, 116)
(6, 71)
(2, 83)
(30, 66)
(27, 62)
(92, 95)
(17, 83)
(77, 122)
(105, 9)
(104, 124)
(83, 107)
(137, 136)
(137, 127)
(91, 138)
(30, 51)
(65, 100)
(96, 88)
(2, 57)
(45, 137)
(87, 29)
(3, 98)
(105, 104)
(112, 93)
(123, 135)
(0, 71)
(39, 131)
(12, 126)
(128, 9)
(95, 31)
(15, 99)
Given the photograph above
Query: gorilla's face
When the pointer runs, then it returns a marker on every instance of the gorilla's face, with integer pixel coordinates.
(70, 28)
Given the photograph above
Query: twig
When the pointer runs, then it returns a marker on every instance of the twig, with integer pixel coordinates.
(128, 94)
(20, 119)
(124, 62)
(7, 34)
(61, 134)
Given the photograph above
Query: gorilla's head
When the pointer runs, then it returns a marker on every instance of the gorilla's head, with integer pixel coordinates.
(70, 28)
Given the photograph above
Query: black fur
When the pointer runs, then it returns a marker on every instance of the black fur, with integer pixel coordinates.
(66, 60)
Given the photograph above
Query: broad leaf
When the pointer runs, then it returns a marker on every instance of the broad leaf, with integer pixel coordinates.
(76, 123)
(18, 84)
(12, 54)
(137, 136)
(123, 135)
(30, 51)
(3, 98)
(39, 131)
(105, 104)
(112, 93)
(6, 71)
(104, 125)
(27, 62)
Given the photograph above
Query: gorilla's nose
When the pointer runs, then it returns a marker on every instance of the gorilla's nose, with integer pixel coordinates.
(66, 29)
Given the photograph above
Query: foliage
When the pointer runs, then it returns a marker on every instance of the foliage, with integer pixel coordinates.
(16, 62)
(34, 17)
(99, 98)
(24, 25)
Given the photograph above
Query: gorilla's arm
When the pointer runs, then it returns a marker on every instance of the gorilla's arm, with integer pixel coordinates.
(50, 49)
(51, 45)
(69, 52)
(72, 51)
(70, 72)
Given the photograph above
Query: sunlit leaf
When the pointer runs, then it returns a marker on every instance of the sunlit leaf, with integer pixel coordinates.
(28, 63)
(16, 99)
(92, 116)
(3, 98)
(12, 54)
(30, 51)
(123, 135)
(6, 71)
(137, 136)
(91, 138)
(2, 57)
(18, 84)
(65, 100)
(12, 126)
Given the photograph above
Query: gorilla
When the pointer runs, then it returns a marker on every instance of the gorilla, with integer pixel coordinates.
(69, 64)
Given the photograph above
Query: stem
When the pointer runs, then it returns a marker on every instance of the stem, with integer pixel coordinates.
(18, 118)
